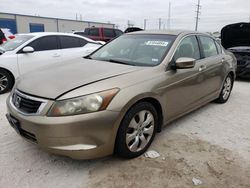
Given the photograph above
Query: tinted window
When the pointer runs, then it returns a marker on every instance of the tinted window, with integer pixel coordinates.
(118, 33)
(208, 45)
(44, 43)
(188, 48)
(218, 47)
(108, 32)
(83, 42)
(69, 42)
(94, 32)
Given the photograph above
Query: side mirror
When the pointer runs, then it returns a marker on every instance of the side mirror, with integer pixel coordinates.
(28, 49)
(185, 63)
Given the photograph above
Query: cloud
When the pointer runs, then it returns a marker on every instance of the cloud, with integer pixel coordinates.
(214, 14)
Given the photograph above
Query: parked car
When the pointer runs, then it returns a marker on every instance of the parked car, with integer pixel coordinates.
(236, 39)
(100, 33)
(28, 52)
(132, 29)
(117, 98)
(5, 35)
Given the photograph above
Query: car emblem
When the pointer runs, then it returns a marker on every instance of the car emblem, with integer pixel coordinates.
(18, 101)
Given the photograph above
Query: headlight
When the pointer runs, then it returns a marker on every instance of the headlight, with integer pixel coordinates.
(82, 105)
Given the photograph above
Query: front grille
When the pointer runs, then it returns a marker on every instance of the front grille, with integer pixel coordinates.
(25, 104)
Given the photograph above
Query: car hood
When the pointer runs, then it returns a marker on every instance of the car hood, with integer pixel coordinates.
(235, 35)
(54, 81)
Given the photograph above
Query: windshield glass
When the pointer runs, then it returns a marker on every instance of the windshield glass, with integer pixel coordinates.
(16, 42)
(136, 49)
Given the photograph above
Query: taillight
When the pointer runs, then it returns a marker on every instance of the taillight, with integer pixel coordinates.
(11, 37)
(4, 40)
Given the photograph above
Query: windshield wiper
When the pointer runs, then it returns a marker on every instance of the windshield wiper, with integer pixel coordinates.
(87, 57)
(121, 62)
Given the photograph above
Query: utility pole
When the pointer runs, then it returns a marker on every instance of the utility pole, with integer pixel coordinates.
(76, 17)
(169, 16)
(197, 15)
(145, 24)
(130, 24)
(159, 23)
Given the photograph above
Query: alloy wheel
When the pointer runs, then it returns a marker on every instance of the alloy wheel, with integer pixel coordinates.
(227, 88)
(140, 130)
(3, 82)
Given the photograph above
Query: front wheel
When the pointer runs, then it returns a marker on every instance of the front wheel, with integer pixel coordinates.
(137, 130)
(6, 81)
(226, 90)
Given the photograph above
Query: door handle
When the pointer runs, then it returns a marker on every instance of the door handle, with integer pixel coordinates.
(56, 55)
(202, 68)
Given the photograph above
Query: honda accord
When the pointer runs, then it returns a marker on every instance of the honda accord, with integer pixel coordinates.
(116, 99)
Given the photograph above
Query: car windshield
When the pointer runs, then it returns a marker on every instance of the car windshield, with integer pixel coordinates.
(136, 49)
(16, 42)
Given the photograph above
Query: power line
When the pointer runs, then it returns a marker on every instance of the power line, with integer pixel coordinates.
(169, 16)
(145, 24)
(197, 15)
(160, 23)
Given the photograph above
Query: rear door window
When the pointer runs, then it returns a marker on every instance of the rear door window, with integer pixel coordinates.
(45, 43)
(109, 33)
(208, 46)
(219, 48)
(70, 42)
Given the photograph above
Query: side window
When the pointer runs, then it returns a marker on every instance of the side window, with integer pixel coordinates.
(208, 45)
(188, 48)
(108, 32)
(118, 33)
(219, 48)
(94, 32)
(45, 43)
(83, 42)
(69, 42)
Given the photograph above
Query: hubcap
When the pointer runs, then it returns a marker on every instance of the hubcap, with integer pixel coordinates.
(227, 88)
(3, 82)
(140, 131)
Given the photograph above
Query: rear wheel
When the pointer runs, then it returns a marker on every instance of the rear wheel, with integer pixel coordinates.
(226, 90)
(6, 81)
(137, 130)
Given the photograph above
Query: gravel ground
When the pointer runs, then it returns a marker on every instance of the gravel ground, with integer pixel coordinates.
(211, 144)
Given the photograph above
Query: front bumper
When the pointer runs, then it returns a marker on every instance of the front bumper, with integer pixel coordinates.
(86, 136)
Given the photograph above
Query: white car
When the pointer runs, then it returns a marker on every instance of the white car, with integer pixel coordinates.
(28, 52)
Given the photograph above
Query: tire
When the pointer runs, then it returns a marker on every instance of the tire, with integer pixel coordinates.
(226, 90)
(137, 130)
(6, 81)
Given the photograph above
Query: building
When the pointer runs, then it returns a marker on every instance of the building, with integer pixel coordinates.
(18, 23)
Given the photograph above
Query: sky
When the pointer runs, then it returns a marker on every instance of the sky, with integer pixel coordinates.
(214, 13)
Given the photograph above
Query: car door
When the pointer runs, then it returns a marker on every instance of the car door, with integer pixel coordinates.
(212, 66)
(73, 47)
(45, 53)
(184, 89)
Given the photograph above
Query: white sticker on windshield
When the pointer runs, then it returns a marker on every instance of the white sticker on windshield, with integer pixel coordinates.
(156, 43)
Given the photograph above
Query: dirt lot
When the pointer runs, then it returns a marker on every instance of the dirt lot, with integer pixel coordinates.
(211, 144)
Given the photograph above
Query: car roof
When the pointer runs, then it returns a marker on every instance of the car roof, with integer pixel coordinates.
(41, 34)
(165, 32)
